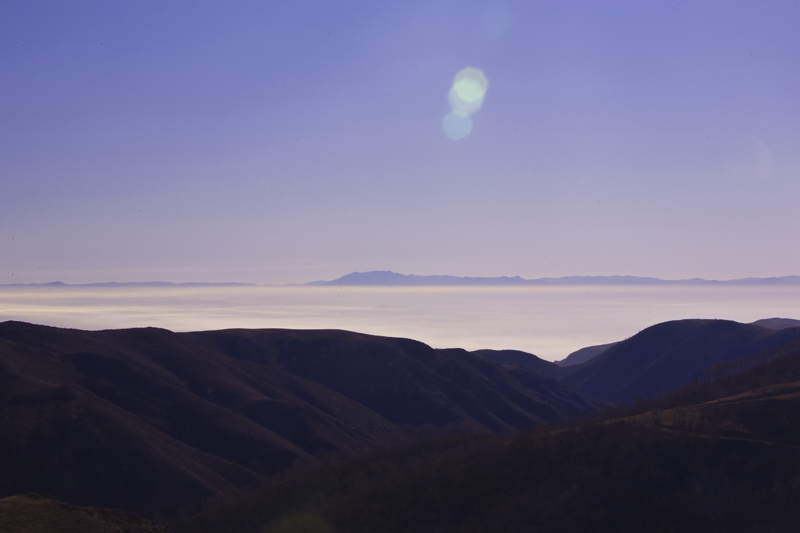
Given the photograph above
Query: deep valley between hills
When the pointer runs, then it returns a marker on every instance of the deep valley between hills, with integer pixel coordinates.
(687, 425)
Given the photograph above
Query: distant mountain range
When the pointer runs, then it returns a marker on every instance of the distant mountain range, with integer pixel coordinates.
(113, 284)
(389, 278)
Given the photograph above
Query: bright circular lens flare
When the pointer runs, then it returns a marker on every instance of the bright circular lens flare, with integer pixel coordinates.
(470, 84)
(465, 97)
(464, 106)
(457, 125)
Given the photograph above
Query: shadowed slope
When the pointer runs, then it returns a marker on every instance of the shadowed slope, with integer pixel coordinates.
(727, 465)
(66, 441)
(405, 381)
(584, 354)
(669, 355)
(144, 420)
(520, 358)
(31, 513)
(164, 423)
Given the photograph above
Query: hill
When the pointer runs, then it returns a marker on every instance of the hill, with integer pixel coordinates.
(405, 381)
(32, 513)
(389, 278)
(523, 359)
(729, 464)
(584, 354)
(666, 356)
(164, 424)
(777, 323)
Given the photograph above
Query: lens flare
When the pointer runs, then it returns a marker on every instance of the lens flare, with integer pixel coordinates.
(457, 125)
(465, 97)
(460, 104)
(470, 84)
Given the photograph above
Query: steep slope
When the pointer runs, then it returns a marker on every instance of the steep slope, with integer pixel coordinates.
(732, 464)
(64, 440)
(669, 355)
(407, 382)
(584, 354)
(163, 423)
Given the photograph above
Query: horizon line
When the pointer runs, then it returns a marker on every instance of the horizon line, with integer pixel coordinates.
(357, 278)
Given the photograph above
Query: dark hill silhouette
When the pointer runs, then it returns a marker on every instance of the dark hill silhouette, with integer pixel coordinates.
(163, 423)
(523, 359)
(584, 354)
(33, 513)
(405, 381)
(66, 441)
(729, 464)
(777, 323)
(668, 355)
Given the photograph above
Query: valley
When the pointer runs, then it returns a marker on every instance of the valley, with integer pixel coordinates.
(179, 426)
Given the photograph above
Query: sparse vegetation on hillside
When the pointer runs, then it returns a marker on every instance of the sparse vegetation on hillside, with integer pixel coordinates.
(179, 427)
(732, 465)
(34, 513)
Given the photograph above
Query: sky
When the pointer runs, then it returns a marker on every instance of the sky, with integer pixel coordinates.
(284, 142)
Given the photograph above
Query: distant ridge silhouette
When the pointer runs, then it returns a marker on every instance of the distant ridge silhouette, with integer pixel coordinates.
(130, 284)
(389, 278)
(777, 323)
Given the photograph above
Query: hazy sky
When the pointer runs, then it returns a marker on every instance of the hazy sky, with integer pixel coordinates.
(280, 142)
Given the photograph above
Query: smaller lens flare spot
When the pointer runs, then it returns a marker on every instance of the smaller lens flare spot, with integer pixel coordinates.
(465, 97)
(457, 125)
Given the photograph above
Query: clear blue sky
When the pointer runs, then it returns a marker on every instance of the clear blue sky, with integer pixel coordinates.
(280, 142)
